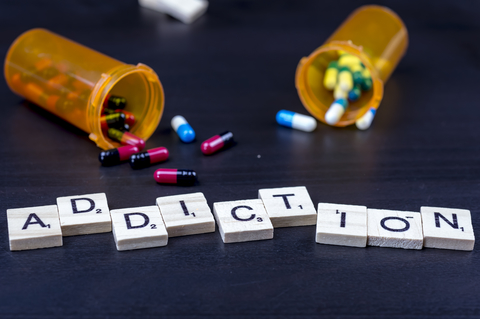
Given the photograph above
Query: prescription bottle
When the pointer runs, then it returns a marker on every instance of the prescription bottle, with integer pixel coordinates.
(374, 34)
(72, 81)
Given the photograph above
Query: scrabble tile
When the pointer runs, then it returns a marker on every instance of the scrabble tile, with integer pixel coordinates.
(344, 225)
(34, 227)
(243, 220)
(396, 229)
(84, 214)
(186, 214)
(186, 11)
(447, 228)
(288, 206)
(138, 227)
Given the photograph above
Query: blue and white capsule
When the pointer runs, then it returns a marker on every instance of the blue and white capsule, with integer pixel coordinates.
(366, 120)
(297, 121)
(336, 110)
(183, 129)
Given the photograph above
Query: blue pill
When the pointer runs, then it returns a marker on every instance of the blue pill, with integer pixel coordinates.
(183, 129)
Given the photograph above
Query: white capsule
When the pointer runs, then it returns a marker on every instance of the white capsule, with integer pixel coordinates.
(297, 121)
(366, 120)
(336, 111)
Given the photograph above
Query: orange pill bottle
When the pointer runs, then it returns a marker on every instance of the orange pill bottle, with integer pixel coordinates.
(73, 81)
(374, 34)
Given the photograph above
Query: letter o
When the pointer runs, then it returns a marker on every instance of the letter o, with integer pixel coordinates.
(407, 224)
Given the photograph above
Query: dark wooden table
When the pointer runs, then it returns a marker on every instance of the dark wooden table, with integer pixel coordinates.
(234, 69)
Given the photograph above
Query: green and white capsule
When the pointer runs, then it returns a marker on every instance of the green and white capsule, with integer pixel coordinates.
(366, 120)
(367, 80)
(345, 79)
(330, 79)
(336, 110)
(357, 75)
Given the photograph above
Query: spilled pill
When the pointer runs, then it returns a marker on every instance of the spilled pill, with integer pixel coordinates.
(115, 156)
(183, 177)
(217, 142)
(149, 157)
(126, 138)
(295, 120)
(366, 120)
(184, 130)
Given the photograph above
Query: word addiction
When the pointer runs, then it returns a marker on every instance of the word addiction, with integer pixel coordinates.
(238, 221)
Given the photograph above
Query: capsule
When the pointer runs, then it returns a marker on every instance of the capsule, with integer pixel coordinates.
(330, 79)
(149, 157)
(112, 121)
(297, 121)
(183, 177)
(357, 71)
(217, 142)
(115, 156)
(183, 129)
(114, 102)
(339, 93)
(355, 93)
(129, 117)
(126, 138)
(366, 120)
(367, 80)
(345, 79)
(348, 60)
(336, 111)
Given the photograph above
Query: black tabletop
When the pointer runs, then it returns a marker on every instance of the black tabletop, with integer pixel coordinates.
(233, 69)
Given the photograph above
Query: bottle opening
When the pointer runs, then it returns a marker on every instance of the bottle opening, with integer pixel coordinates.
(140, 86)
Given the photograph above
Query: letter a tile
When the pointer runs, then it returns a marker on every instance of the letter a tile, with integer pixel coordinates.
(34, 227)
(243, 220)
(139, 227)
(395, 229)
(344, 225)
(288, 206)
(186, 214)
(84, 214)
(447, 228)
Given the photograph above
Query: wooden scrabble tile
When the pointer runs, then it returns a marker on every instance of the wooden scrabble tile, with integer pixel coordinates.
(186, 214)
(139, 227)
(34, 227)
(447, 228)
(396, 229)
(288, 206)
(243, 220)
(84, 214)
(344, 225)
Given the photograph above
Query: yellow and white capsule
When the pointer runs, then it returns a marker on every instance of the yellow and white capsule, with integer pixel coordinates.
(348, 60)
(336, 110)
(366, 120)
(345, 79)
(338, 93)
(330, 79)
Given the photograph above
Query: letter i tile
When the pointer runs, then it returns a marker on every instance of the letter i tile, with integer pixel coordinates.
(139, 227)
(84, 214)
(34, 227)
